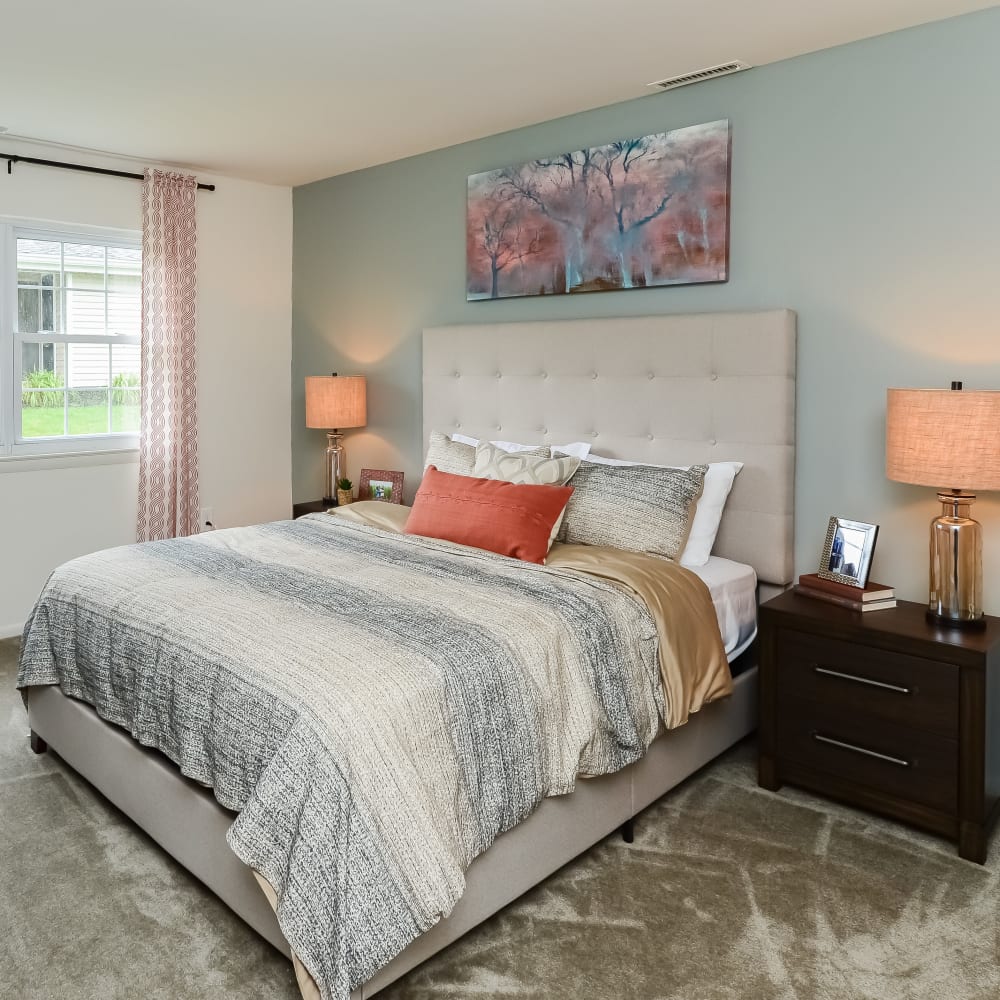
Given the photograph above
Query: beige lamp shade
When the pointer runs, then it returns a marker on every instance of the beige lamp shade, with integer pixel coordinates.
(945, 438)
(336, 401)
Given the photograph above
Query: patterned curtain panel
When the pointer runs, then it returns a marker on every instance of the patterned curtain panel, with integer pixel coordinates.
(168, 457)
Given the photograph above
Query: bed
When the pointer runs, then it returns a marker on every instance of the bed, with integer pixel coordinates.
(677, 389)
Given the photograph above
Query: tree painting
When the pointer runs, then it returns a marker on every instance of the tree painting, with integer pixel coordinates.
(631, 214)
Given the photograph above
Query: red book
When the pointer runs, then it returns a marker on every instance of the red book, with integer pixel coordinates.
(845, 602)
(872, 592)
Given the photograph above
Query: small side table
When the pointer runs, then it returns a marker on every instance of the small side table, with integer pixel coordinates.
(309, 507)
(883, 711)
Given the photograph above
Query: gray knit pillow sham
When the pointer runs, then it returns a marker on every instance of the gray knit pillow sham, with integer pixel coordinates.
(637, 507)
(460, 459)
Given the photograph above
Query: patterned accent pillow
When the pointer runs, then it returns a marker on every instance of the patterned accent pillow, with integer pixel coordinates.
(459, 459)
(639, 508)
(522, 466)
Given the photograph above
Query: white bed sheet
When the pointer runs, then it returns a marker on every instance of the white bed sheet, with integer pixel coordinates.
(733, 586)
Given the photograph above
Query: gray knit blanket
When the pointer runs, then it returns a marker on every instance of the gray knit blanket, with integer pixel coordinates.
(377, 708)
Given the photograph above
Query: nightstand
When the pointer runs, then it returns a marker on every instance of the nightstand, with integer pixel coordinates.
(884, 711)
(309, 507)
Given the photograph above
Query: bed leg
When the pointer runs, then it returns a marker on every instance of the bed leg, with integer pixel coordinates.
(628, 831)
(38, 745)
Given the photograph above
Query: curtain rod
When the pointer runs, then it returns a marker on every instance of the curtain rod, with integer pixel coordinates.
(13, 158)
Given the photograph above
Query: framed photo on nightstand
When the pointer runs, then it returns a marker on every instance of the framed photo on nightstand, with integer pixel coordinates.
(381, 484)
(847, 552)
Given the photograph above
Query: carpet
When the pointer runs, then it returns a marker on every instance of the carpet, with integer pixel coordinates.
(728, 893)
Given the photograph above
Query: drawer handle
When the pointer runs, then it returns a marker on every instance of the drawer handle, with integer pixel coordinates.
(862, 750)
(827, 672)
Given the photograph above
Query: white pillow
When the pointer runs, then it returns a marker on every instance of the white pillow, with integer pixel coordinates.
(707, 513)
(578, 449)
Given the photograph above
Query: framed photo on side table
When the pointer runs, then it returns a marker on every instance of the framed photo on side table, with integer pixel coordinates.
(381, 484)
(847, 552)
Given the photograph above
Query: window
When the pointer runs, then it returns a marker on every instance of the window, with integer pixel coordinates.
(70, 319)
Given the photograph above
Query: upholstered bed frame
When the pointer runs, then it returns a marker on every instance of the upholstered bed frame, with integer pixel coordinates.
(663, 389)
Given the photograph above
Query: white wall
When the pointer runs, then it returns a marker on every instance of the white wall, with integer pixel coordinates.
(52, 510)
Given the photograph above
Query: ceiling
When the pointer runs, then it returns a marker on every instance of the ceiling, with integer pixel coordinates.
(296, 91)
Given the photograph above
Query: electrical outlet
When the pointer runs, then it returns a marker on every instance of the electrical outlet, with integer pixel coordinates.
(206, 519)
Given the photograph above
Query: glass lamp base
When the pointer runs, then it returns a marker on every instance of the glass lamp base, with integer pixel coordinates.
(956, 566)
(336, 466)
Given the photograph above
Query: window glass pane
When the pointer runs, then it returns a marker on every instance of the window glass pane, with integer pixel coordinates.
(29, 310)
(124, 269)
(88, 366)
(87, 385)
(84, 279)
(43, 376)
(85, 313)
(88, 411)
(84, 263)
(38, 262)
(39, 310)
(125, 314)
(37, 358)
(125, 388)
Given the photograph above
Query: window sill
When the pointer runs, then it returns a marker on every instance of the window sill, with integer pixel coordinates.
(126, 455)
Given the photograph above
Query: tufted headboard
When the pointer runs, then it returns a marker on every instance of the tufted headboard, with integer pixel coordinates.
(670, 390)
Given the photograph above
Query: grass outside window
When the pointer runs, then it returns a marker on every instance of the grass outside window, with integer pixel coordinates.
(47, 421)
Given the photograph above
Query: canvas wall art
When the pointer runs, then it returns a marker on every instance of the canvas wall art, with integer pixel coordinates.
(631, 214)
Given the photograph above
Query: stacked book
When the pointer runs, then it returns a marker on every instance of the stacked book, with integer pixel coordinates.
(873, 597)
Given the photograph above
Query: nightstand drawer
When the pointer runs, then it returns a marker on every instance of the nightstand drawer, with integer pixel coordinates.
(858, 680)
(907, 763)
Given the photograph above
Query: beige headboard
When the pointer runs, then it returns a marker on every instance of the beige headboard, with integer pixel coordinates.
(673, 390)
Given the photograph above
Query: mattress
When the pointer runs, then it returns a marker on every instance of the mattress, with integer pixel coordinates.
(733, 587)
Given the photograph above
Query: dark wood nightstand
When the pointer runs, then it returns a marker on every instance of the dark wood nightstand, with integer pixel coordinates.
(310, 507)
(884, 711)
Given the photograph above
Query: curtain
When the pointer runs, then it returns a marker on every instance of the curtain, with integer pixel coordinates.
(168, 448)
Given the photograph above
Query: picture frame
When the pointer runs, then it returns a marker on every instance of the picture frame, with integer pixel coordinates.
(384, 485)
(847, 552)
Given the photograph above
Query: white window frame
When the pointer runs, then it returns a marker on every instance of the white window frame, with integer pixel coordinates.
(12, 445)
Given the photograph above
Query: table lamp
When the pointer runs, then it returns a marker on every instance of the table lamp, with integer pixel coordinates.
(337, 402)
(948, 438)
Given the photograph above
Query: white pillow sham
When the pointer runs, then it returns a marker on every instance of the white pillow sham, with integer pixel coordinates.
(577, 449)
(708, 512)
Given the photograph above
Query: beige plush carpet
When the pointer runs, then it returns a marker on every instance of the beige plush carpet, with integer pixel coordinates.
(729, 893)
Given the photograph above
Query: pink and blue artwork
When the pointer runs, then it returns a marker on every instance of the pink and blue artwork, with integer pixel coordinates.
(631, 214)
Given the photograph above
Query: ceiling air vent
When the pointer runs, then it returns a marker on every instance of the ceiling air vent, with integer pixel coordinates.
(723, 69)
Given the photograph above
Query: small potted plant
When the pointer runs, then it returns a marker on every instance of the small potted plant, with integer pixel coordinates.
(345, 492)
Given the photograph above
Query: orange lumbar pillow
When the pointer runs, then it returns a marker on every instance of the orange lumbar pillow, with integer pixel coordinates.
(511, 519)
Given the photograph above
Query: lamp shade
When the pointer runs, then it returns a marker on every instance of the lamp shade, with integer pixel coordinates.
(945, 438)
(336, 401)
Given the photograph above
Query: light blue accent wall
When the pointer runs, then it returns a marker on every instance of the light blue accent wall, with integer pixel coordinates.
(865, 195)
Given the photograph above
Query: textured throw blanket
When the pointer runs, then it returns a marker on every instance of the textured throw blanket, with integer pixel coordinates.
(377, 707)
